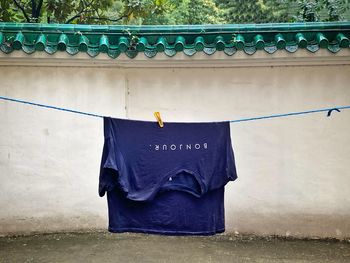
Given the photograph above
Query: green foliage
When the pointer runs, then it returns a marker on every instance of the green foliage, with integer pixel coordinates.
(308, 11)
(140, 11)
(322, 10)
(267, 11)
(159, 12)
(197, 12)
(58, 11)
(335, 9)
(7, 13)
(255, 11)
(77, 11)
(147, 11)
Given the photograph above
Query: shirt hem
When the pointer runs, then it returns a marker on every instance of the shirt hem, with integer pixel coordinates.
(166, 232)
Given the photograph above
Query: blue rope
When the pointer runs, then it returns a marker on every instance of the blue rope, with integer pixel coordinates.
(51, 107)
(329, 110)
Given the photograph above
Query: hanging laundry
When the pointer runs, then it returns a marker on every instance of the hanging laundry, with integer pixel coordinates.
(166, 180)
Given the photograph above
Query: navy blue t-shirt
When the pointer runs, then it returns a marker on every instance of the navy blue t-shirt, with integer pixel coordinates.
(166, 180)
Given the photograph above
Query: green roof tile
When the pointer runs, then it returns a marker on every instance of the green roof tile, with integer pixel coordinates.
(240, 42)
(40, 43)
(142, 43)
(259, 42)
(220, 43)
(280, 42)
(123, 44)
(161, 44)
(104, 44)
(342, 40)
(199, 43)
(180, 43)
(18, 42)
(189, 39)
(63, 41)
(83, 43)
(301, 40)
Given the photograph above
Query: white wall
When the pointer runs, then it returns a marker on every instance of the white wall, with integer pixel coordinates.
(293, 172)
(49, 160)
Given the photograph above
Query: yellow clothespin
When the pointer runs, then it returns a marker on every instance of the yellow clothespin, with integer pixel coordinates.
(159, 119)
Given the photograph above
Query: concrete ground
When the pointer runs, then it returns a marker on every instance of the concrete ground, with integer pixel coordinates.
(106, 247)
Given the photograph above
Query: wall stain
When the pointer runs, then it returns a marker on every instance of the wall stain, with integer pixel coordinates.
(46, 132)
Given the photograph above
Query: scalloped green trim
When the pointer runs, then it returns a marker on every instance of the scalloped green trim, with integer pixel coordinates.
(170, 40)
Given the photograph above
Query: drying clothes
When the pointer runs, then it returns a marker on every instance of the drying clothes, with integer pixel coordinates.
(166, 180)
(171, 212)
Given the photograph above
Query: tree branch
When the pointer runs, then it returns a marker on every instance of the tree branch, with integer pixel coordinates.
(74, 17)
(83, 10)
(23, 11)
(33, 8)
(38, 9)
(108, 19)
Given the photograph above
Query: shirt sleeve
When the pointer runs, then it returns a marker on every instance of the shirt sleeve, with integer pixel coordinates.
(109, 171)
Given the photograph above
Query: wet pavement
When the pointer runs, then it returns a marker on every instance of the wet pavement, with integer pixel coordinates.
(106, 247)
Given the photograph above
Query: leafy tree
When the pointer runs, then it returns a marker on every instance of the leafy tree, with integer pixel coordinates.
(145, 11)
(267, 11)
(322, 10)
(157, 12)
(255, 11)
(308, 11)
(84, 11)
(58, 11)
(160, 12)
(197, 12)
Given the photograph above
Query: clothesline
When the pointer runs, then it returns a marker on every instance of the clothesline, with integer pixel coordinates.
(50, 107)
(328, 110)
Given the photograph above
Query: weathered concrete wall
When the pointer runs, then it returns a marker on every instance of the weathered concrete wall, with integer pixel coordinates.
(49, 160)
(293, 172)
